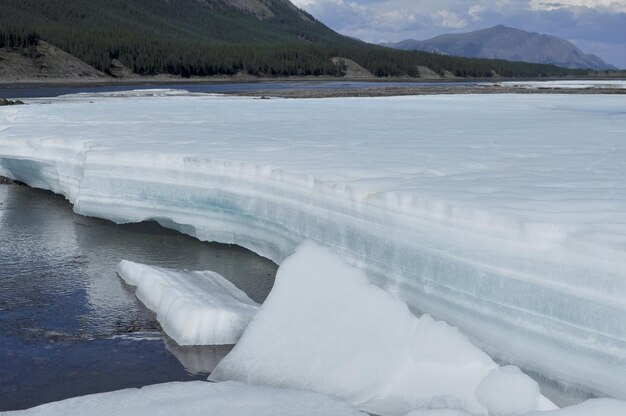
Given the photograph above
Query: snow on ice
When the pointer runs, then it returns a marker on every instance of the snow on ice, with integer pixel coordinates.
(326, 328)
(565, 84)
(594, 407)
(196, 398)
(503, 215)
(193, 307)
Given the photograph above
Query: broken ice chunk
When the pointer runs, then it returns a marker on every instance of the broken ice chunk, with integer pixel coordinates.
(193, 307)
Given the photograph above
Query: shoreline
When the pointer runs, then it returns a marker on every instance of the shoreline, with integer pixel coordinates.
(378, 91)
(169, 80)
(424, 90)
(159, 80)
(8, 181)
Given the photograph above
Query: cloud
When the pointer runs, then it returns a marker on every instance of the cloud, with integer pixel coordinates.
(449, 19)
(612, 6)
(475, 11)
(596, 26)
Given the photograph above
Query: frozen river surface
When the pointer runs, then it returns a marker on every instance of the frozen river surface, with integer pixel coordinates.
(504, 215)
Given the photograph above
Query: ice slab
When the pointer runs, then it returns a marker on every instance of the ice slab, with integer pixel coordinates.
(326, 328)
(196, 398)
(504, 215)
(193, 307)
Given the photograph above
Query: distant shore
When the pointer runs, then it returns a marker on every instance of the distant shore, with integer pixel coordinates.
(425, 90)
(165, 79)
(171, 79)
(373, 87)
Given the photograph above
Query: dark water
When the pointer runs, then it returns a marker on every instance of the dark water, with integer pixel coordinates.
(69, 326)
(24, 91)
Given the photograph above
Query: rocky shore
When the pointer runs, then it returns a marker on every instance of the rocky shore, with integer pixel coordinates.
(4, 101)
(8, 181)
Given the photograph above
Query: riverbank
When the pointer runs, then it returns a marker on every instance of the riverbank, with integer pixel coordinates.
(425, 90)
(330, 89)
(171, 79)
(165, 79)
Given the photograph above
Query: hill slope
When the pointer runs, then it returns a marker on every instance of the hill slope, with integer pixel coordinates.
(218, 37)
(44, 61)
(502, 42)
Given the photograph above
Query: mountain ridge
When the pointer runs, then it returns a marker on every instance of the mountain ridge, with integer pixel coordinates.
(503, 42)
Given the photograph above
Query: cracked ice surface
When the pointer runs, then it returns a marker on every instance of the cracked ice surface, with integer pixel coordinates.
(504, 215)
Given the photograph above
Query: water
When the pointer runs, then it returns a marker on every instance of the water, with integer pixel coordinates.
(26, 91)
(69, 326)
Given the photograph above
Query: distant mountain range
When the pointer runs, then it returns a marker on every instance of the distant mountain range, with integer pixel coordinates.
(502, 42)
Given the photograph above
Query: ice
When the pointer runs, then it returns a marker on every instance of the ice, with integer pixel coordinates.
(437, 412)
(565, 84)
(196, 398)
(326, 328)
(508, 391)
(504, 215)
(594, 407)
(193, 307)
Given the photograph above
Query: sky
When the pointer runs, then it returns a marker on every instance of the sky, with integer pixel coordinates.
(595, 26)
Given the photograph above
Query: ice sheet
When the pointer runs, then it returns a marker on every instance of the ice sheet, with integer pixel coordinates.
(193, 307)
(566, 84)
(504, 215)
(326, 328)
(196, 398)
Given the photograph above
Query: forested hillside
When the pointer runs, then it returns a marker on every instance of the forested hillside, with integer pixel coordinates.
(218, 37)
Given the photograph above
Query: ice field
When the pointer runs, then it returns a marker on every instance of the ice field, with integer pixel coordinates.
(193, 308)
(503, 215)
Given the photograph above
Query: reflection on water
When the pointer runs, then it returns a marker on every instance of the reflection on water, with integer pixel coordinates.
(198, 359)
(69, 326)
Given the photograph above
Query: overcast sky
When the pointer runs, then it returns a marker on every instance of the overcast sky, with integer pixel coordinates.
(595, 26)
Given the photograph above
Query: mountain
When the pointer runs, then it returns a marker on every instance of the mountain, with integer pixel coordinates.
(186, 38)
(502, 42)
(168, 36)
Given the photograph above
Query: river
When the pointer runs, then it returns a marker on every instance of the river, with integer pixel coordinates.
(69, 326)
